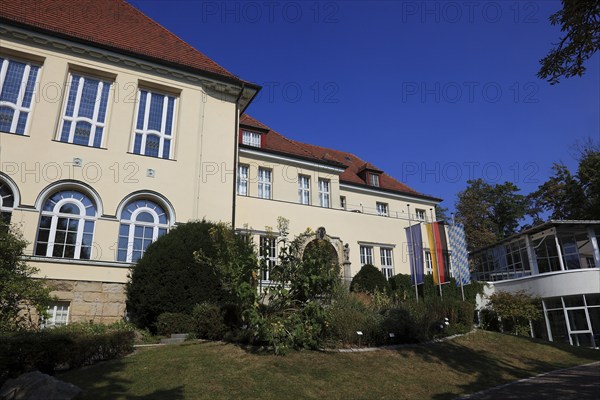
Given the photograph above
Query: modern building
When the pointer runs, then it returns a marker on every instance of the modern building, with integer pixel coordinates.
(559, 262)
(113, 130)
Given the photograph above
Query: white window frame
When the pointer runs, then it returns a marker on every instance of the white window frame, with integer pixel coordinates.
(251, 138)
(304, 189)
(382, 209)
(55, 311)
(132, 223)
(420, 215)
(55, 215)
(145, 132)
(18, 106)
(270, 259)
(366, 255)
(264, 183)
(428, 263)
(324, 192)
(7, 200)
(387, 261)
(75, 118)
(242, 179)
(374, 180)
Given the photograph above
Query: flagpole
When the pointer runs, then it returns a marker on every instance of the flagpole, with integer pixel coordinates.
(414, 260)
(462, 290)
(437, 255)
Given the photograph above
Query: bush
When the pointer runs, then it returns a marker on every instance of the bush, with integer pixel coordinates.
(209, 321)
(169, 323)
(369, 279)
(350, 314)
(189, 265)
(62, 347)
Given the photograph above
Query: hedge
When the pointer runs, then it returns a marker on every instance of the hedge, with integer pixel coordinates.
(52, 349)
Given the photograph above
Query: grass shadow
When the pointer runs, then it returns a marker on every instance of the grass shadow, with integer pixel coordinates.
(102, 381)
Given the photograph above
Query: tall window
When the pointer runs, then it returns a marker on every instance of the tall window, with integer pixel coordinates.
(242, 180)
(17, 87)
(264, 183)
(142, 222)
(387, 262)
(343, 202)
(304, 189)
(324, 194)
(66, 227)
(366, 255)
(420, 214)
(251, 138)
(85, 111)
(428, 264)
(155, 124)
(382, 209)
(374, 180)
(7, 202)
(58, 315)
(268, 256)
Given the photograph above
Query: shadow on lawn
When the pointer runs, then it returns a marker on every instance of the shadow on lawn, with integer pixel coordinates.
(103, 382)
(488, 371)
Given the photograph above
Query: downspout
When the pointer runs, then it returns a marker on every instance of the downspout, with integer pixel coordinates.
(235, 154)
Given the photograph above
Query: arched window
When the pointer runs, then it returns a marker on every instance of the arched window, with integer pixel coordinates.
(7, 202)
(66, 227)
(142, 222)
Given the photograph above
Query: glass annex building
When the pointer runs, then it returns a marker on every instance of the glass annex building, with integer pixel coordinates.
(558, 261)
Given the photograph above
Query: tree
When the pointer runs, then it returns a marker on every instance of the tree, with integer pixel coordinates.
(489, 212)
(567, 196)
(195, 262)
(580, 22)
(588, 174)
(369, 279)
(20, 294)
(441, 213)
(561, 196)
(515, 310)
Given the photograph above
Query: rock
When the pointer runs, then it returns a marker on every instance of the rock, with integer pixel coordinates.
(37, 386)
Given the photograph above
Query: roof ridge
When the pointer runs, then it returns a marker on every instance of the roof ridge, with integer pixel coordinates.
(168, 32)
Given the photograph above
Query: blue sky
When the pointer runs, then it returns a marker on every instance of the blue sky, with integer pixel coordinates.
(434, 93)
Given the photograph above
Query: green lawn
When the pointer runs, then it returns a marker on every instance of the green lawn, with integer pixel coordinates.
(212, 370)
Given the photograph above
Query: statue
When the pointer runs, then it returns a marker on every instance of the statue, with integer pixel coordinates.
(346, 253)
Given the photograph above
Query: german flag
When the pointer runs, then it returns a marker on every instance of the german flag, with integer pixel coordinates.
(438, 245)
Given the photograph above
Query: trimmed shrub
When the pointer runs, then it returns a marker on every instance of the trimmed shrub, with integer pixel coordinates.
(169, 323)
(63, 347)
(369, 279)
(183, 268)
(209, 322)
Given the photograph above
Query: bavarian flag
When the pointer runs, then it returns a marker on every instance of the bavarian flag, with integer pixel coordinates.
(438, 245)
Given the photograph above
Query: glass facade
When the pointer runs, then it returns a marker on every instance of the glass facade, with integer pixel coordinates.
(566, 247)
(573, 319)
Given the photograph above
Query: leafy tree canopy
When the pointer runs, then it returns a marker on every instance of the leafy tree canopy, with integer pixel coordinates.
(490, 212)
(568, 196)
(579, 21)
(20, 294)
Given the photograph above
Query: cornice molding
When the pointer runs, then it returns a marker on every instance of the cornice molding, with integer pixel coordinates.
(212, 86)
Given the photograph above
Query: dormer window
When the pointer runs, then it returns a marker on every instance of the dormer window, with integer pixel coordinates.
(251, 138)
(374, 180)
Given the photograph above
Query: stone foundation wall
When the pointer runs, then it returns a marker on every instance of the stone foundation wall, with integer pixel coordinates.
(91, 301)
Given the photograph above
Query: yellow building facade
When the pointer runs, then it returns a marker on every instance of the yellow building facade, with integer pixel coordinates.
(113, 131)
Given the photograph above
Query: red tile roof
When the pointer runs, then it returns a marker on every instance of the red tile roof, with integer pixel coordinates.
(275, 142)
(111, 24)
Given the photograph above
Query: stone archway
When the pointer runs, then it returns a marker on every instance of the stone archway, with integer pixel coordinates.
(336, 246)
